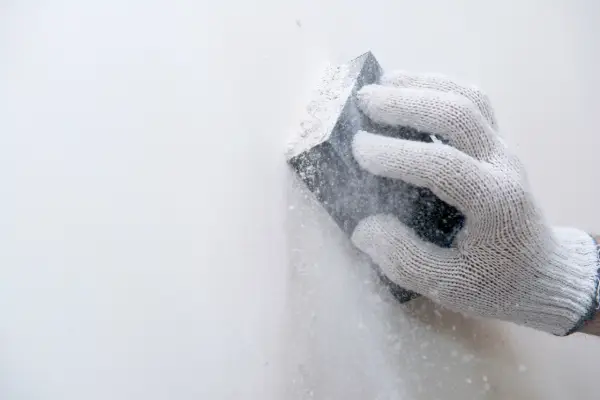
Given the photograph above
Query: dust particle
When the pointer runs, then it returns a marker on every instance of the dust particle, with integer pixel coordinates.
(522, 368)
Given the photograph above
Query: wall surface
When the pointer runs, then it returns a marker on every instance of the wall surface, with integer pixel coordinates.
(155, 246)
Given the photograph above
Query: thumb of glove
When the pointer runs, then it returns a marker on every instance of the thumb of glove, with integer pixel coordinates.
(403, 257)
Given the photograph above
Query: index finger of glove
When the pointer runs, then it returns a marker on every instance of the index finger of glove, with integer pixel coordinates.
(446, 114)
(453, 176)
(403, 79)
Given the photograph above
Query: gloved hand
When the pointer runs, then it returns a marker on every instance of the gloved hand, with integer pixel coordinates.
(507, 262)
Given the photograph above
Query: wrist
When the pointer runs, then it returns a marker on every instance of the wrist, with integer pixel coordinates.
(592, 327)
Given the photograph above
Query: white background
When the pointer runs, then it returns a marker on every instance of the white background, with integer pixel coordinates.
(153, 244)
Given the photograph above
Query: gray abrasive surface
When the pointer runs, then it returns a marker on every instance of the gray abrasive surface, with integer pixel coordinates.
(321, 156)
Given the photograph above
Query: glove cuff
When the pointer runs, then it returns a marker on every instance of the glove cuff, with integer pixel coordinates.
(593, 309)
(565, 290)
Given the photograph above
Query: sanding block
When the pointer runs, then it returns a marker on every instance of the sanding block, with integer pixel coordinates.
(320, 153)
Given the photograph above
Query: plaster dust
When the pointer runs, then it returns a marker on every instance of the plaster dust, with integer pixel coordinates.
(148, 249)
(349, 338)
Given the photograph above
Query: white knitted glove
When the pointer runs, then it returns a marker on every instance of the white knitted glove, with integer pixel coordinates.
(506, 263)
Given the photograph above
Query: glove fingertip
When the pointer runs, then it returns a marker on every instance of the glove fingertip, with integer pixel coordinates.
(371, 236)
(364, 97)
(385, 156)
(397, 78)
(364, 150)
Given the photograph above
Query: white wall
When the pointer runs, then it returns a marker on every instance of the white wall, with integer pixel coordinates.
(147, 248)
